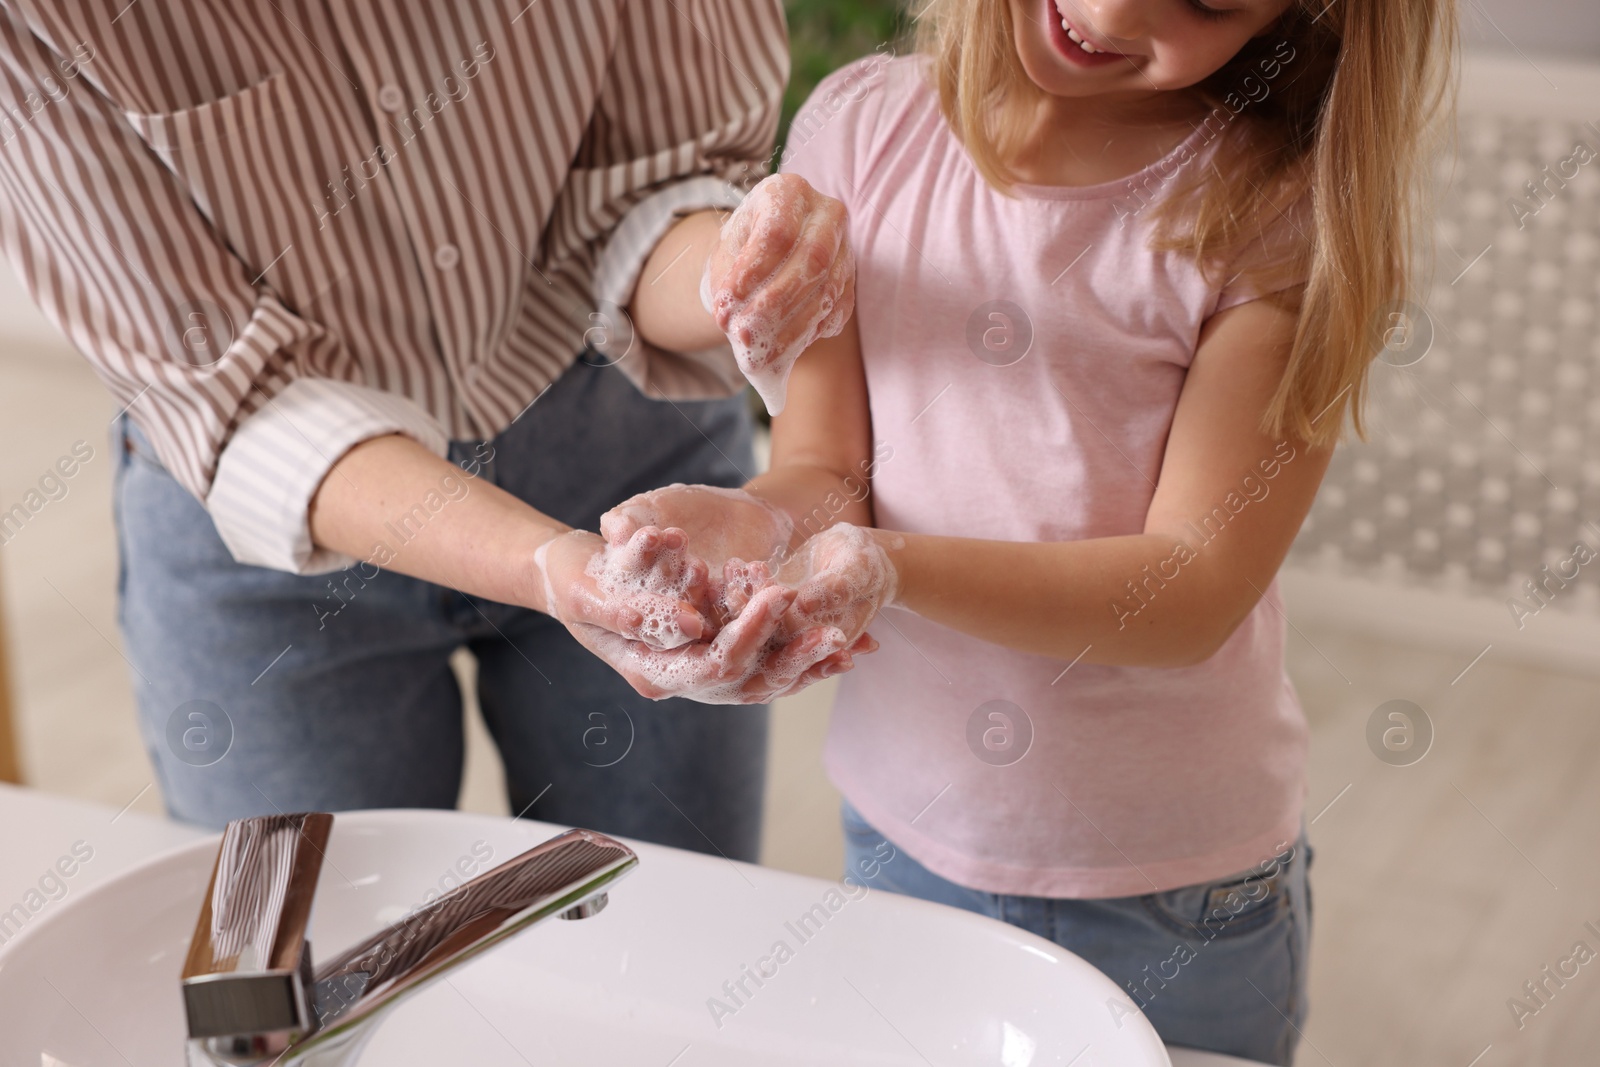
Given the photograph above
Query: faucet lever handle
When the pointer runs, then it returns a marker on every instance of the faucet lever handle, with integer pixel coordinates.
(566, 876)
(249, 991)
(248, 971)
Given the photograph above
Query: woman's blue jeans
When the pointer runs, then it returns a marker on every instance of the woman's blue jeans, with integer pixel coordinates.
(1220, 966)
(262, 691)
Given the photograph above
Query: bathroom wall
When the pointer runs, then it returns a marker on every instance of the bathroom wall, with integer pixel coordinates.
(1563, 27)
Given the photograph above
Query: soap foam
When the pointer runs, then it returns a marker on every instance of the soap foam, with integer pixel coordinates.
(844, 569)
(847, 570)
(659, 592)
(710, 572)
(702, 672)
(760, 358)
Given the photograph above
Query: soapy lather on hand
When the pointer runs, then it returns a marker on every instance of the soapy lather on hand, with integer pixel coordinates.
(648, 590)
(781, 278)
(769, 649)
(681, 597)
(659, 615)
(683, 544)
(748, 542)
(772, 625)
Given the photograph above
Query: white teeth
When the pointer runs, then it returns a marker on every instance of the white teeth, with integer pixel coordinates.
(1078, 38)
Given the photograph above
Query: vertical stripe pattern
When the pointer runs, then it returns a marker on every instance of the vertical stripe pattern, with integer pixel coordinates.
(326, 219)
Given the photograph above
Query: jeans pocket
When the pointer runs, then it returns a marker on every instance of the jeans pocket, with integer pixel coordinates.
(856, 828)
(136, 448)
(1230, 907)
(868, 854)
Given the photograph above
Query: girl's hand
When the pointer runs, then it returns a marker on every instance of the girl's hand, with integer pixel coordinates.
(647, 588)
(727, 528)
(781, 277)
(843, 578)
(751, 661)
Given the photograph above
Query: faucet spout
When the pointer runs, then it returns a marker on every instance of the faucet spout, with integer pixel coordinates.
(250, 993)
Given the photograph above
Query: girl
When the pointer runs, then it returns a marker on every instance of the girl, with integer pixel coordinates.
(1121, 268)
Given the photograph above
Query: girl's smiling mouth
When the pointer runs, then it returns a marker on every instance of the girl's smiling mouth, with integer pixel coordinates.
(1070, 40)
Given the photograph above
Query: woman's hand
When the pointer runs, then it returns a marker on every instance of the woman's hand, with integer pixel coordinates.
(645, 599)
(721, 524)
(781, 277)
(773, 640)
(647, 588)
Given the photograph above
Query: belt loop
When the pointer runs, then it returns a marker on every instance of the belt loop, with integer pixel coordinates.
(122, 442)
(491, 462)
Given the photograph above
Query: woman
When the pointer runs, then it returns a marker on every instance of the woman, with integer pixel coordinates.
(356, 274)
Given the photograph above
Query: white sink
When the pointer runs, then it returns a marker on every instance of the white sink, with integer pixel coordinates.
(879, 979)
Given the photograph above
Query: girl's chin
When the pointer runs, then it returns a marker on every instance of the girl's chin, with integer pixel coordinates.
(1052, 78)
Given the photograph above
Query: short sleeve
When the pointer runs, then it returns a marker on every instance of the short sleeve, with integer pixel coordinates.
(831, 136)
(1276, 260)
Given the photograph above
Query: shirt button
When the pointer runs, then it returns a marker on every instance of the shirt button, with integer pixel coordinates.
(445, 257)
(390, 98)
(471, 376)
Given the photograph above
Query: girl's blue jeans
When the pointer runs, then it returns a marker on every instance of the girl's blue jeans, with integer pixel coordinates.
(1220, 966)
(335, 691)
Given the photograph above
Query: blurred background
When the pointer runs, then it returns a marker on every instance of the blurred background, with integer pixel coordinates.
(1450, 869)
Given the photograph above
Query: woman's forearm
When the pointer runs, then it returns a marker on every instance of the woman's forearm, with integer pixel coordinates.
(1132, 601)
(392, 503)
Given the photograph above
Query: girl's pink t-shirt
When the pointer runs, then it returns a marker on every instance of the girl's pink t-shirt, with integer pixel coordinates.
(1024, 358)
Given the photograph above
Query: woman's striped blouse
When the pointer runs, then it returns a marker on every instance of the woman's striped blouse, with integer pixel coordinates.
(281, 227)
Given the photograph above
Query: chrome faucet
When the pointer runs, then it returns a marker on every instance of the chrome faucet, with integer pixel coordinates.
(249, 991)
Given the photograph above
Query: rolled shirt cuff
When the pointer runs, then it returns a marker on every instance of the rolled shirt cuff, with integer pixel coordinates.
(656, 372)
(279, 456)
(641, 229)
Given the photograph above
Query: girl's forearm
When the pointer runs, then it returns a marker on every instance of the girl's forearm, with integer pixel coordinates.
(822, 454)
(391, 503)
(814, 496)
(1130, 601)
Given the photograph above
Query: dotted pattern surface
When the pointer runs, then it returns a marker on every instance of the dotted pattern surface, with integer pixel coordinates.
(1483, 460)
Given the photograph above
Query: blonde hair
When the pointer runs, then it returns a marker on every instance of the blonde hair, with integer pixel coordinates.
(1347, 121)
